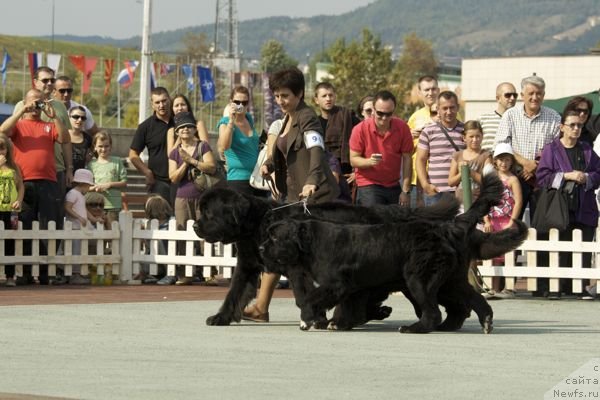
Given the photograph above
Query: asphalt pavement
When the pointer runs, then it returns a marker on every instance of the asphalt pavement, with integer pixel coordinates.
(164, 350)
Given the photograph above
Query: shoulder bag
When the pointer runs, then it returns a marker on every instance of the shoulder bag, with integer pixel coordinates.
(552, 210)
(257, 181)
(203, 180)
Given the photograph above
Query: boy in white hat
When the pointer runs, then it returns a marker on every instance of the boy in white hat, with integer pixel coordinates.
(76, 212)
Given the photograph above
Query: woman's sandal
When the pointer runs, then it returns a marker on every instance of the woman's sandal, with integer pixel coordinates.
(251, 313)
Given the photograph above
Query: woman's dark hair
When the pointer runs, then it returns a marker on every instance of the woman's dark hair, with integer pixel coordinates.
(185, 99)
(568, 113)
(290, 78)
(573, 103)
(361, 104)
(239, 89)
(80, 108)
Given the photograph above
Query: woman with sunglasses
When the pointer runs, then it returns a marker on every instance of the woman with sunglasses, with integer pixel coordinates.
(583, 106)
(570, 163)
(181, 103)
(81, 141)
(238, 142)
(365, 107)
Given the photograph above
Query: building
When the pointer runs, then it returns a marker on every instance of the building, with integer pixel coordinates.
(565, 76)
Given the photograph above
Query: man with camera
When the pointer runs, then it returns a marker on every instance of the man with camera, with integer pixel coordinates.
(33, 139)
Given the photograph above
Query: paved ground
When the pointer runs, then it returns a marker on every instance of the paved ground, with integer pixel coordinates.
(119, 348)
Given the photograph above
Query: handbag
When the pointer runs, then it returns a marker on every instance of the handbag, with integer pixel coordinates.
(256, 180)
(552, 210)
(203, 180)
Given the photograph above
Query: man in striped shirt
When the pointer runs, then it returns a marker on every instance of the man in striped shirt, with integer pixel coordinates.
(436, 148)
(506, 97)
(528, 129)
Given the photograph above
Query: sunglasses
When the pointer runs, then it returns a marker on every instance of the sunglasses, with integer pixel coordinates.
(241, 102)
(509, 95)
(45, 81)
(574, 126)
(368, 111)
(67, 90)
(79, 117)
(433, 113)
(382, 114)
(583, 110)
(95, 205)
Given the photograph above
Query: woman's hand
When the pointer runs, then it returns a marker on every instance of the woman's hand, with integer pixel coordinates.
(2, 159)
(264, 171)
(576, 176)
(185, 157)
(308, 190)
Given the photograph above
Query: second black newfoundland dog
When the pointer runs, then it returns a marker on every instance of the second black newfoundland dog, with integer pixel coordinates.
(430, 259)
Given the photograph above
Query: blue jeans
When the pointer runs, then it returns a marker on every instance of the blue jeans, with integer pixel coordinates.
(371, 195)
(432, 200)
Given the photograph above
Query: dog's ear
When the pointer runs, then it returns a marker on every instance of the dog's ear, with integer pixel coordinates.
(304, 236)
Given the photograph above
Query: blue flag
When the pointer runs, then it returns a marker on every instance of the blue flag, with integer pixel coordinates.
(189, 76)
(207, 85)
(5, 62)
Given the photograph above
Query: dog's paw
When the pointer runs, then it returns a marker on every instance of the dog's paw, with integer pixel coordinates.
(414, 328)
(382, 313)
(304, 326)
(321, 324)
(218, 320)
(488, 325)
(332, 326)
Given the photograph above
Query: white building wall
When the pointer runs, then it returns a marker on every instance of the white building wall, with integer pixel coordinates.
(564, 76)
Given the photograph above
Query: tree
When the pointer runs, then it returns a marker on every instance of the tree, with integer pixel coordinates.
(195, 46)
(417, 59)
(359, 68)
(274, 57)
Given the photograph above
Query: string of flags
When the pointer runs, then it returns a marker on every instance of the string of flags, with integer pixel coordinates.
(126, 76)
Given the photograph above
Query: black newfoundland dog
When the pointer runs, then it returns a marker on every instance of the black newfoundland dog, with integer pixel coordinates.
(228, 217)
(430, 259)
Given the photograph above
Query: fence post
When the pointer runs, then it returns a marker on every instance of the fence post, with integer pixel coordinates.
(126, 245)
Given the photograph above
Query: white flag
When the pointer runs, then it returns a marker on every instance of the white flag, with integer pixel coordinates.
(53, 61)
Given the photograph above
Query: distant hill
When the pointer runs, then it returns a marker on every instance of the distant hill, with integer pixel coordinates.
(462, 28)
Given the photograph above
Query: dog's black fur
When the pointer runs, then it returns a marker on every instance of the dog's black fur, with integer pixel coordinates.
(429, 258)
(228, 216)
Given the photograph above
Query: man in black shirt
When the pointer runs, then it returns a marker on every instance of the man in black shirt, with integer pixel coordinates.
(152, 134)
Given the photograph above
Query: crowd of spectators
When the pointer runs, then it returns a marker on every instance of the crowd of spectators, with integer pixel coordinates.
(367, 156)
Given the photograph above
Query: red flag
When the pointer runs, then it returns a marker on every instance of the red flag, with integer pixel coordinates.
(90, 65)
(109, 66)
(35, 61)
(78, 62)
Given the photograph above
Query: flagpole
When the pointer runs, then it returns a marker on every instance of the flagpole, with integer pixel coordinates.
(24, 73)
(118, 90)
(146, 59)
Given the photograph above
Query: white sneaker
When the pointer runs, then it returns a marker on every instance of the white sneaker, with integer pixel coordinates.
(10, 282)
(506, 294)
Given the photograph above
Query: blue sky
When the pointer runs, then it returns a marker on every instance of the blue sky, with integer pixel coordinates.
(123, 18)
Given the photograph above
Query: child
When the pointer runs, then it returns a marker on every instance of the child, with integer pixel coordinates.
(76, 212)
(473, 156)
(12, 191)
(156, 208)
(110, 175)
(502, 216)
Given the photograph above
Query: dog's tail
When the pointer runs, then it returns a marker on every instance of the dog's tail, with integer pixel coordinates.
(489, 195)
(495, 244)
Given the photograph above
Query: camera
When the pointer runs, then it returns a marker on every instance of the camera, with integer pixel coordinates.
(238, 108)
(40, 105)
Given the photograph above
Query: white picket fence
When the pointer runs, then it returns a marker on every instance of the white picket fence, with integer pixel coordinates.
(128, 246)
(125, 247)
(528, 268)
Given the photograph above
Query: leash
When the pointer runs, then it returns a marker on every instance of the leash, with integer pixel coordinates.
(303, 202)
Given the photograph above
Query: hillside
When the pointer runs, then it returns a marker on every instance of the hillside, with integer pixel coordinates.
(469, 28)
